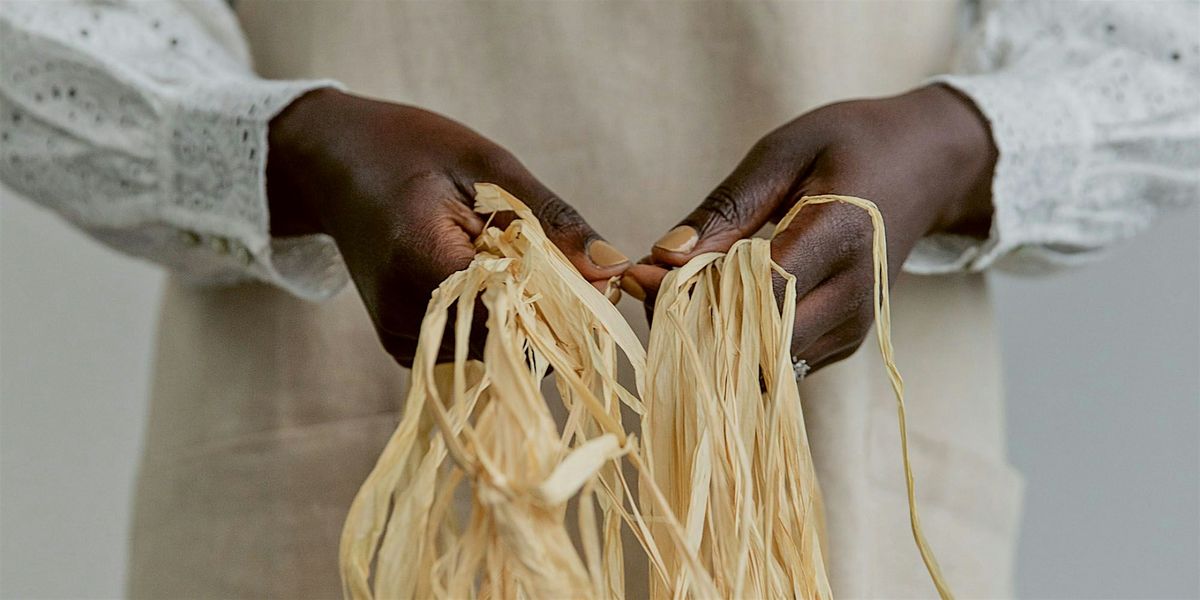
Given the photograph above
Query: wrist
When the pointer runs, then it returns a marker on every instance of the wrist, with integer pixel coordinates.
(964, 144)
(296, 145)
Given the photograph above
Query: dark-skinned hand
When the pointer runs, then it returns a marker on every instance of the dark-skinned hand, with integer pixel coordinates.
(393, 186)
(925, 158)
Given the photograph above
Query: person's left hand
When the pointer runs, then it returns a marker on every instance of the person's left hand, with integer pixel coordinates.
(925, 158)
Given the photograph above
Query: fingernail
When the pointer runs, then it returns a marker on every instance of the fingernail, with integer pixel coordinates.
(632, 288)
(605, 254)
(681, 239)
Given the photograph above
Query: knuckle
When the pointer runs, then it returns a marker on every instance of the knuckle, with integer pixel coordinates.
(560, 218)
(851, 232)
(859, 336)
(399, 347)
(491, 159)
(423, 179)
(845, 112)
(391, 325)
(859, 304)
(722, 208)
(381, 183)
(855, 224)
(397, 303)
(771, 144)
(778, 142)
(847, 340)
(859, 329)
(423, 254)
(839, 356)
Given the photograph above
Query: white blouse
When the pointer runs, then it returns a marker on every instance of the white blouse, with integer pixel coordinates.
(144, 124)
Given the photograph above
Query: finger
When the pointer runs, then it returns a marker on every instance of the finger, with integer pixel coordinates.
(838, 344)
(736, 209)
(816, 314)
(402, 344)
(834, 357)
(595, 258)
(402, 348)
(463, 215)
(404, 351)
(833, 306)
(643, 280)
(816, 247)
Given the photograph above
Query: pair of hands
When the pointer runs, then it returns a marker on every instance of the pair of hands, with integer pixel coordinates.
(393, 185)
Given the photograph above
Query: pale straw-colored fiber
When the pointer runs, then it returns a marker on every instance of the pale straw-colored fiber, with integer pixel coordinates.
(469, 497)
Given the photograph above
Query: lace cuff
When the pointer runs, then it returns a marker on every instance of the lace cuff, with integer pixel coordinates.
(1039, 132)
(143, 124)
(216, 178)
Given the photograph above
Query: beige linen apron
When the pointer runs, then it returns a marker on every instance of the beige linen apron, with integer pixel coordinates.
(268, 411)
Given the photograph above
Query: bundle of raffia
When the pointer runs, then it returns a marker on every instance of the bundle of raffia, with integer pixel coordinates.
(727, 503)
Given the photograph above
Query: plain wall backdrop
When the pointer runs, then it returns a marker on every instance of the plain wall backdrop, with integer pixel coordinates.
(1101, 368)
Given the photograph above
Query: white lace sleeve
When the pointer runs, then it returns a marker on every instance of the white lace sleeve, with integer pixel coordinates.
(1095, 110)
(143, 124)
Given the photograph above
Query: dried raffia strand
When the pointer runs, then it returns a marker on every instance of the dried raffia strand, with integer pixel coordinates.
(883, 331)
(728, 504)
(486, 423)
(724, 432)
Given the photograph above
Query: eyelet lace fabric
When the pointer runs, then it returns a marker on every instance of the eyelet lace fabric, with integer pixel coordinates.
(1095, 110)
(143, 124)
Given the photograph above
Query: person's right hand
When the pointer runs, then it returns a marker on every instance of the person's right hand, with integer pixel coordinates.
(394, 186)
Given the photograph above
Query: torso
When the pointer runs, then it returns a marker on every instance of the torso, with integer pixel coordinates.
(632, 111)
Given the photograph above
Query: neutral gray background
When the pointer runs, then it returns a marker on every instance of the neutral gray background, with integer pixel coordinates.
(1101, 369)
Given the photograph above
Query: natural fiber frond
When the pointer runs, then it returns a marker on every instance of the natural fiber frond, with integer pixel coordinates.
(469, 497)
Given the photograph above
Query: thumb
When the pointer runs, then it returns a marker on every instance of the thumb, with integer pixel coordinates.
(736, 209)
(595, 258)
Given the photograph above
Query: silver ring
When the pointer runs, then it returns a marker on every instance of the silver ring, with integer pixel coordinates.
(800, 368)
